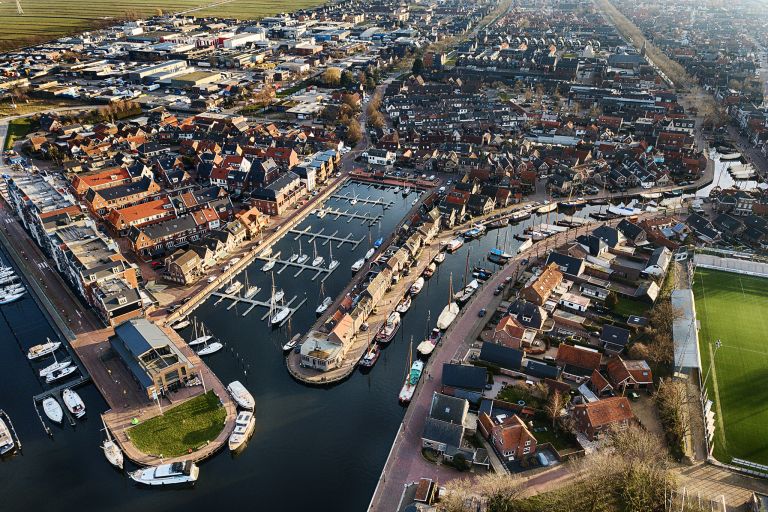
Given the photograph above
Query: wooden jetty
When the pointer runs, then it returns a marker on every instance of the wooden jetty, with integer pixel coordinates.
(367, 200)
(326, 238)
(363, 217)
(252, 304)
(55, 393)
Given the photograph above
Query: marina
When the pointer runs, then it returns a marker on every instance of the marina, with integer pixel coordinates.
(365, 218)
(252, 304)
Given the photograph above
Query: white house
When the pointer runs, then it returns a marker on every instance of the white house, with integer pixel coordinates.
(380, 157)
(574, 301)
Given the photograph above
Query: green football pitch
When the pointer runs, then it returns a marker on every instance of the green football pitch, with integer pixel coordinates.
(734, 309)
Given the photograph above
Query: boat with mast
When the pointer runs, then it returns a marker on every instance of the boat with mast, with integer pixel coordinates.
(427, 346)
(199, 336)
(302, 257)
(277, 313)
(250, 290)
(60, 374)
(415, 369)
(42, 350)
(333, 263)
(371, 355)
(111, 451)
(417, 286)
(389, 329)
(182, 323)
(404, 305)
(234, 287)
(210, 348)
(326, 303)
(317, 260)
(450, 311)
(56, 365)
(269, 265)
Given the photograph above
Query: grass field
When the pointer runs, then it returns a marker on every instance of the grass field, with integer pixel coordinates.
(181, 428)
(17, 129)
(49, 19)
(732, 307)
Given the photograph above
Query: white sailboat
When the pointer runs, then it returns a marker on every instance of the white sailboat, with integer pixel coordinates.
(450, 311)
(60, 374)
(324, 305)
(417, 286)
(210, 348)
(356, 266)
(73, 402)
(277, 313)
(302, 257)
(241, 396)
(353, 201)
(250, 290)
(234, 287)
(370, 253)
(318, 260)
(269, 265)
(111, 451)
(53, 410)
(293, 258)
(181, 324)
(200, 336)
(334, 263)
(56, 365)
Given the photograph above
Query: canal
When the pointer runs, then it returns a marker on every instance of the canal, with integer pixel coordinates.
(313, 449)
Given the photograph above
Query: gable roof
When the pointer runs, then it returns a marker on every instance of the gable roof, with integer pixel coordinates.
(443, 432)
(606, 411)
(572, 266)
(617, 336)
(448, 408)
(580, 357)
(464, 376)
(499, 355)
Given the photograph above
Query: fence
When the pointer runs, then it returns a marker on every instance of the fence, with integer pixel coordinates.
(736, 262)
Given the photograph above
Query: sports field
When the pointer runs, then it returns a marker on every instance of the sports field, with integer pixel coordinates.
(49, 19)
(734, 308)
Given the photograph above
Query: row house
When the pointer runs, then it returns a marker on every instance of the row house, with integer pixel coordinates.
(102, 200)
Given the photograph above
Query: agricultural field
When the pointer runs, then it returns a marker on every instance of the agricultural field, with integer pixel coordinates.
(48, 19)
(731, 307)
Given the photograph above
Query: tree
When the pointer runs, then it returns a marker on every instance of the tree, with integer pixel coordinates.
(370, 84)
(347, 79)
(554, 406)
(461, 463)
(418, 66)
(332, 77)
(354, 133)
(376, 120)
(612, 300)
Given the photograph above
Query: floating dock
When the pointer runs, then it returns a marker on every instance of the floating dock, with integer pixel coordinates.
(252, 304)
(326, 238)
(375, 202)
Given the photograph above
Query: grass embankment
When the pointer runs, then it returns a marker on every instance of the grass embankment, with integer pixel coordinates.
(731, 307)
(182, 428)
(17, 129)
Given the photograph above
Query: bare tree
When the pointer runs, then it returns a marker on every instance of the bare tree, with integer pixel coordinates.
(554, 406)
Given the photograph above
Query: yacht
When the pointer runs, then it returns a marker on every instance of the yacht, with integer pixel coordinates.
(291, 344)
(547, 207)
(439, 258)
(448, 315)
(293, 258)
(324, 305)
(466, 294)
(353, 201)
(389, 329)
(370, 253)
(73, 402)
(280, 314)
(404, 305)
(333, 264)
(233, 288)
(111, 451)
(7, 299)
(210, 348)
(427, 346)
(7, 444)
(302, 258)
(454, 245)
(241, 396)
(269, 265)
(251, 291)
(277, 297)
(356, 266)
(199, 336)
(430, 270)
(397, 189)
(181, 324)
(53, 410)
(56, 365)
(321, 213)
(244, 425)
(175, 473)
(38, 351)
(60, 374)
(417, 286)
(317, 261)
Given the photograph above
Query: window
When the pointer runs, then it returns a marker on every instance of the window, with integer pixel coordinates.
(528, 442)
(526, 450)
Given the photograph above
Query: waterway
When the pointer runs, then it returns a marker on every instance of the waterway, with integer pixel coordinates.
(313, 449)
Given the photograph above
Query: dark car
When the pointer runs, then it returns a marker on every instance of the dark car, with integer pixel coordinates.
(482, 313)
(498, 289)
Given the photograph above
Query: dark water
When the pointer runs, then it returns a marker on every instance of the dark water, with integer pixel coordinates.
(314, 448)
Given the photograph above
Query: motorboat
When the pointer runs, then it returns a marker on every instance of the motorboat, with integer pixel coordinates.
(371, 356)
(417, 286)
(291, 344)
(427, 346)
(73, 403)
(353, 201)
(210, 348)
(56, 365)
(378, 242)
(411, 381)
(277, 296)
(389, 329)
(293, 258)
(244, 426)
(396, 190)
(333, 264)
(439, 258)
(42, 350)
(356, 266)
(406, 191)
(280, 314)
(7, 443)
(60, 374)
(251, 291)
(370, 253)
(233, 288)
(404, 305)
(469, 290)
(324, 305)
(7, 299)
(475, 231)
(448, 315)
(454, 245)
(269, 265)
(181, 324)
(241, 396)
(175, 473)
(430, 270)
(519, 215)
(53, 410)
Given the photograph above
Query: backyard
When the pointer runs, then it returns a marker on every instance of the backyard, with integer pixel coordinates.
(17, 129)
(731, 308)
(181, 428)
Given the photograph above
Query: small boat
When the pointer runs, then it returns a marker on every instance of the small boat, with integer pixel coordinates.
(317, 260)
(353, 201)
(302, 258)
(60, 374)
(371, 356)
(498, 224)
(250, 290)
(7, 443)
(430, 270)
(356, 266)
(175, 473)
(466, 294)
(269, 265)
(324, 305)
(277, 297)
(519, 215)
(427, 346)
(404, 305)
(370, 253)
(406, 191)
(210, 348)
(439, 258)
(397, 189)
(475, 231)
(56, 365)
(333, 264)
(111, 451)
(293, 258)
(290, 344)
(411, 380)
(525, 246)
(378, 242)
(498, 256)
(280, 314)
(417, 286)
(181, 324)
(454, 245)
(389, 329)
(448, 315)
(44, 349)
(53, 410)
(244, 426)
(73, 403)
(241, 396)
(233, 288)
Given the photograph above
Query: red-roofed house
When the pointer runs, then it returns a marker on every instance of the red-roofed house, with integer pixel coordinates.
(629, 374)
(509, 436)
(595, 418)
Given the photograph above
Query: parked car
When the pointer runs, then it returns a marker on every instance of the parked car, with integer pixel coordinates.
(156, 264)
(482, 313)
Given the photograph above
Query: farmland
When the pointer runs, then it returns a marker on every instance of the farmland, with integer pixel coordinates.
(731, 308)
(49, 19)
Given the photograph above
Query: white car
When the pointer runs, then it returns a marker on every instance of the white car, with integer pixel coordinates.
(234, 260)
(212, 278)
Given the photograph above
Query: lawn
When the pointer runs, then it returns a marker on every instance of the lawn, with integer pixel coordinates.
(627, 307)
(732, 307)
(48, 19)
(181, 428)
(514, 394)
(17, 129)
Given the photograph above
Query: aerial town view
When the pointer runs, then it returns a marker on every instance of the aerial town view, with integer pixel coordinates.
(384, 255)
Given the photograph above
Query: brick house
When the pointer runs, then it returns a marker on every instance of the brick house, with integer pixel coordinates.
(509, 436)
(539, 289)
(594, 419)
